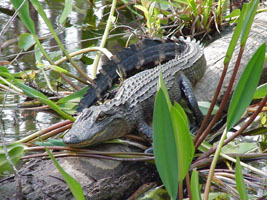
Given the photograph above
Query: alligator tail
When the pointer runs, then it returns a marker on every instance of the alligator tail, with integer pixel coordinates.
(142, 55)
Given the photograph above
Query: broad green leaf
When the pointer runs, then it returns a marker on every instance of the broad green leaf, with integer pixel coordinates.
(260, 92)
(41, 97)
(74, 186)
(66, 11)
(15, 152)
(240, 148)
(240, 185)
(24, 14)
(26, 40)
(162, 85)
(183, 139)
(195, 187)
(246, 86)
(142, 8)
(75, 96)
(251, 12)
(164, 144)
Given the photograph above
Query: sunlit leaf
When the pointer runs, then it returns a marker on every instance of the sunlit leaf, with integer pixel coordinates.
(74, 186)
(15, 152)
(241, 188)
(246, 86)
(74, 96)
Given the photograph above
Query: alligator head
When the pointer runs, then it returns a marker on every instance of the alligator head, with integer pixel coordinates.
(97, 124)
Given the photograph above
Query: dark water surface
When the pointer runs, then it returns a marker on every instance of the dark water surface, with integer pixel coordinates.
(84, 28)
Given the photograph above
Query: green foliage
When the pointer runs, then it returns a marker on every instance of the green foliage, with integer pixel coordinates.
(260, 92)
(246, 87)
(74, 186)
(173, 146)
(51, 142)
(26, 40)
(241, 188)
(66, 11)
(15, 152)
(151, 14)
(195, 187)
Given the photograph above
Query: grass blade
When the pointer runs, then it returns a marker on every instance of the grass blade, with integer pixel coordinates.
(195, 187)
(241, 188)
(24, 14)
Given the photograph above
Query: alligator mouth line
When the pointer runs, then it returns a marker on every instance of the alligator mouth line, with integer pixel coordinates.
(91, 140)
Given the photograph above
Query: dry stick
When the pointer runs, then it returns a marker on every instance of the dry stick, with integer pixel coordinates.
(224, 101)
(237, 133)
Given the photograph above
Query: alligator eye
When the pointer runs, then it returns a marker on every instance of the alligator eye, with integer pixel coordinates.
(101, 116)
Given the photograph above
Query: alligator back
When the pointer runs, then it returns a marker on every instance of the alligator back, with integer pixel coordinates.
(137, 89)
(142, 55)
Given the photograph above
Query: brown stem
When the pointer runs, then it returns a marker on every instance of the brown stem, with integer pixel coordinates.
(237, 133)
(187, 179)
(224, 101)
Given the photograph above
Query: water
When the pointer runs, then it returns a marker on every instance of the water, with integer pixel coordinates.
(84, 28)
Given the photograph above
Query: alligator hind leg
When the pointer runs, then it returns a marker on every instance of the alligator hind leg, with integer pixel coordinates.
(187, 91)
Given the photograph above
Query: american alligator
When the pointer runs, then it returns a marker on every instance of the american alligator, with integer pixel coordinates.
(132, 107)
(144, 54)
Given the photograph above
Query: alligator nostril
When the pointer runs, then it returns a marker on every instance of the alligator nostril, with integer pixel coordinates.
(70, 139)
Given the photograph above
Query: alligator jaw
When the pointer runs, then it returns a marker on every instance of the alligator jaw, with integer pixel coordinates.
(90, 130)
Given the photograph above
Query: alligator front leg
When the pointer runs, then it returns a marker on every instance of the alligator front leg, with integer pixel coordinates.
(187, 91)
(145, 131)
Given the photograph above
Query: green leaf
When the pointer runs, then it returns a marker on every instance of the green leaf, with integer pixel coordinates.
(251, 12)
(260, 92)
(246, 86)
(26, 41)
(183, 139)
(51, 142)
(66, 11)
(74, 186)
(41, 97)
(15, 152)
(194, 185)
(241, 188)
(163, 86)
(235, 13)
(24, 14)
(236, 35)
(164, 144)
(74, 96)
(204, 107)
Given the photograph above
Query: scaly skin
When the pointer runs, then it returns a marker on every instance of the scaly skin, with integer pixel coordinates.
(144, 54)
(132, 107)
